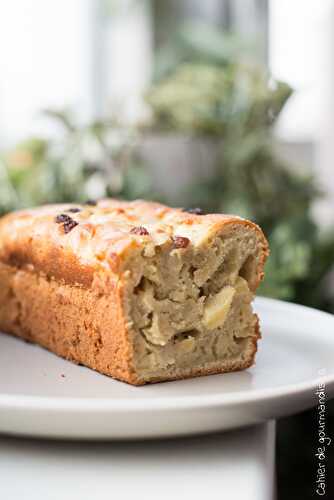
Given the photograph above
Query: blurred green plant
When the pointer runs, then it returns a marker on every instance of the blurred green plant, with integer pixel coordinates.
(84, 162)
(205, 99)
(207, 84)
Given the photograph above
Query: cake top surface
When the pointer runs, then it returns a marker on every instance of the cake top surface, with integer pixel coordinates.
(72, 240)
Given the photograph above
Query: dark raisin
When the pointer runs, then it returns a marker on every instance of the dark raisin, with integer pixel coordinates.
(142, 231)
(74, 210)
(180, 242)
(67, 221)
(91, 202)
(68, 226)
(195, 211)
(61, 218)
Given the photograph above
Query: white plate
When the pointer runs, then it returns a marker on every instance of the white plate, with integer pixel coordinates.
(43, 395)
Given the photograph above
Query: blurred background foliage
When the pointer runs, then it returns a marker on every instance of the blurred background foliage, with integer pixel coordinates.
(94, 160)
(206, 84)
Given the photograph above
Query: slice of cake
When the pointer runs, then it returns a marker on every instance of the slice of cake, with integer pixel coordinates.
(138, 291)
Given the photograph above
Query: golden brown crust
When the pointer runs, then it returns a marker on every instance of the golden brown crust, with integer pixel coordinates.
(62, 283)
(102, 239)
(81, 325)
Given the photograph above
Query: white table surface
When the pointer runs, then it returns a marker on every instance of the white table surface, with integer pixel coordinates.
(234, 465)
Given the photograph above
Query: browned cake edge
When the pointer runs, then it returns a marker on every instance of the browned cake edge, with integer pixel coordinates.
(82, 325)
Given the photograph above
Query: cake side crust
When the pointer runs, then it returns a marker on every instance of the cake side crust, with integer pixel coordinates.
(80, 325)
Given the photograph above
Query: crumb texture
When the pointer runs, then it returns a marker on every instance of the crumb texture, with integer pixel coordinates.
(192, 308)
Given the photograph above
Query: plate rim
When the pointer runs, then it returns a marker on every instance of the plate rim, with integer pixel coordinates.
(107, 405)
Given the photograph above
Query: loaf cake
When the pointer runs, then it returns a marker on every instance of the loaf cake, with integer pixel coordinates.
(135, 290)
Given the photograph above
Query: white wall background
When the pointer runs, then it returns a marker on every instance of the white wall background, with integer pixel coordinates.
(77, 53)
(302, 53)
(298, 53)
(45, 61)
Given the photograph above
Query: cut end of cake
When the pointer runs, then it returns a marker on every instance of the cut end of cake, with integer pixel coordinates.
(190, 307)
